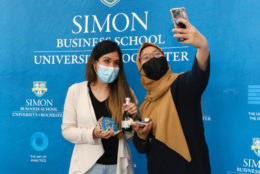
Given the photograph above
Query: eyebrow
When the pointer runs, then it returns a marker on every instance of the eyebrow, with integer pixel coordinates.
(152, 52)
(107, 57)
(111, 58)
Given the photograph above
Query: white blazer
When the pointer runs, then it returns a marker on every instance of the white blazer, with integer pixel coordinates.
(78, 123)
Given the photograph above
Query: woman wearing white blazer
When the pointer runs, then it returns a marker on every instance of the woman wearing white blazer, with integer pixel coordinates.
(102, 95)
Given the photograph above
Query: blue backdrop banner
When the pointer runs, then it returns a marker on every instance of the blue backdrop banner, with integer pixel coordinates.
(45, 46)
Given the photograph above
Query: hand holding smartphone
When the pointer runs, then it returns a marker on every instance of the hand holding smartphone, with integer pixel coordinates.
(177, 13)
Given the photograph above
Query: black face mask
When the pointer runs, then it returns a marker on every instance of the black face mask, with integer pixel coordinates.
(155, 68)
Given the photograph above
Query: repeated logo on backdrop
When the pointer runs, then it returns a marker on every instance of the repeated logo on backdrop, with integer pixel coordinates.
(250, 164)
(254, 102)
(254, 94)
(256, 146)
(39, 142)
(110, 3)
(127, 29)
(38, 106)
(39, 88)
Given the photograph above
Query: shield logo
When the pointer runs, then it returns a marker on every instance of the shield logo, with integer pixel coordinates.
(108, 124)
(256, 146)
(110, 3)
(39, 88)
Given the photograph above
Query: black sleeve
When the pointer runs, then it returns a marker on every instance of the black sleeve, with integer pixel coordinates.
(195, 81)
(140, 144)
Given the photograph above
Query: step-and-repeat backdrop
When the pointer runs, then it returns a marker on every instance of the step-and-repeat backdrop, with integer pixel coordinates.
(44, 48)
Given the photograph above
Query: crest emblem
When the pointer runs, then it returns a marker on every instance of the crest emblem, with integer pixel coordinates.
(256, 146)
(110, 3)
(108, 124)
(39, 88)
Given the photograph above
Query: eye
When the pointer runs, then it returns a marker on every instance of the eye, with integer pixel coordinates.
(117, 62)
(157, 54)
(144, 57)
(106, 60)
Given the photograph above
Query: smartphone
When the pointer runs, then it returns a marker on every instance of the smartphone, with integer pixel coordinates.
(177, 13)
(140, 123)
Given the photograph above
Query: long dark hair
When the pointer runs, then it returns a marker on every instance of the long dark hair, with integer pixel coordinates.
(119, 89)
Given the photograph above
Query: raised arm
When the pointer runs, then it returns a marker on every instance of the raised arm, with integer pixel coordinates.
(192, 36)
(194, 81)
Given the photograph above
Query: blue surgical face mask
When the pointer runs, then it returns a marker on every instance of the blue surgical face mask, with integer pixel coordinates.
(107, 74)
